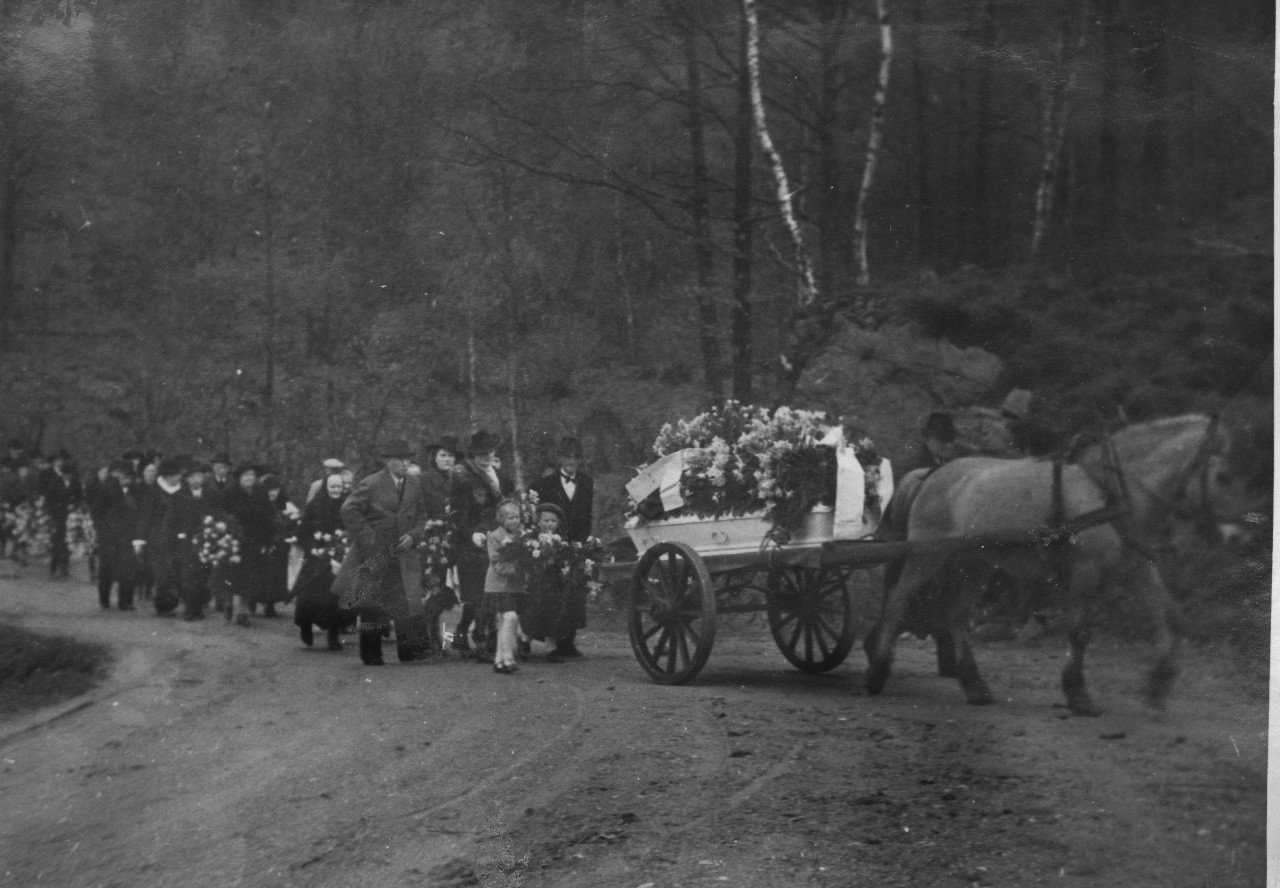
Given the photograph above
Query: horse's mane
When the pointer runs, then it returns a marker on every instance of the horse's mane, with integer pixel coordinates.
(1147, 439)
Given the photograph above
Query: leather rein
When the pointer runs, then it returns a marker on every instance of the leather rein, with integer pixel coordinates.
(1119, 502)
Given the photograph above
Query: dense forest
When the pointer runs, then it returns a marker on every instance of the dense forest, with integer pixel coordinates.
(289, 230)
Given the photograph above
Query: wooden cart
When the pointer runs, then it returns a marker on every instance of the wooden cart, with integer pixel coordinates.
(677, 593)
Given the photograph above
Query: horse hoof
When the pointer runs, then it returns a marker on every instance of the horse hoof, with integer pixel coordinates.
(979, 696)
(1160, 684)
(1085, 707)
(876, 678)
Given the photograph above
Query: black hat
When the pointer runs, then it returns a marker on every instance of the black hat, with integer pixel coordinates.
(940, 426)
(570, 447)
(194, 467)
(221, 458)
(445, 442)
(483, 442)
(169, 466)
(151, 456)
(63, 454)
(396, 448)
(132, 455)
(15, 444)
(552, 508)
(120, 465)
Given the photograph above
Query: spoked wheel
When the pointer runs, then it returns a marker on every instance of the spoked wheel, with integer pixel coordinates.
(672, 619)
(811, 616)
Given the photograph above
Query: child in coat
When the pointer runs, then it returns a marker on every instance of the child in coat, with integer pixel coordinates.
(504, 584)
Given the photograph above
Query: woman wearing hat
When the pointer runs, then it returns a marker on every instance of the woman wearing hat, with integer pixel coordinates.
(476, 490)
(438, 460)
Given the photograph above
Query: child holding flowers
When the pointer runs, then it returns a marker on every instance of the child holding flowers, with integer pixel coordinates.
(504, 583)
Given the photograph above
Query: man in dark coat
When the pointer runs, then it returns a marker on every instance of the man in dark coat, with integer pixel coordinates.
(151, 543)
(220, 483)
(117, 506)
(573, 491)
(476, 488)
(183, 522)
(381, 576)
(937, 443)
(60, 487)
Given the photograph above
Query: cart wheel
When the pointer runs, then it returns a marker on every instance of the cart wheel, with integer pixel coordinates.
(672, 619)
(811, 616)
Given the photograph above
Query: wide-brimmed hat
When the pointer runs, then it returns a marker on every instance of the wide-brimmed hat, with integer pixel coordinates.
(397, 448)
(570, 447)
(940, 426)
(334, 464)
(444, 442)
(220, 458)
(1017, 404)
(483, 442)
(169, 466)
(120, 465)
(63, 454)
(246, 467)
(195, 467)
(131, 455)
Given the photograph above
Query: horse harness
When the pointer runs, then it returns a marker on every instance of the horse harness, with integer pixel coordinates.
(1117, 508)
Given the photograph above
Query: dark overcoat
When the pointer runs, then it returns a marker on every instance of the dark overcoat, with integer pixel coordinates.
(577, 511)
(376, 515)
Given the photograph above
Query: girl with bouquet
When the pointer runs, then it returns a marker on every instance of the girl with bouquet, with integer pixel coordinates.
(504, 584)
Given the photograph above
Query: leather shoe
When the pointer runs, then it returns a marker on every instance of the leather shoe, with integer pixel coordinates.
(569, 652)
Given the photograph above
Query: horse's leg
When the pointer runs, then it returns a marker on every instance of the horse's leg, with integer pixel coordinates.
(878, 645)
(1085, 578)
(970, 584)
(946, 653)
(1164, 611)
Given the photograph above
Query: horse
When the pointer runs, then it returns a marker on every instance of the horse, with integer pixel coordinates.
(1089, 529)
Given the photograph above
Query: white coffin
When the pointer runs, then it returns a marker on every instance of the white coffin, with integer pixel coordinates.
(731, 535)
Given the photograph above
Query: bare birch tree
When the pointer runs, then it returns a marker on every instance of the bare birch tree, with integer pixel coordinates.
(875, 138)
(1054, 129)
(795, 352)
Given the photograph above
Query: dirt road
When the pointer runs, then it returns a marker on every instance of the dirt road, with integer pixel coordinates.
(224, 757)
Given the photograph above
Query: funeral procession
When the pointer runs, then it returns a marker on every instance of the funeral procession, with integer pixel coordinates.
(636, 444)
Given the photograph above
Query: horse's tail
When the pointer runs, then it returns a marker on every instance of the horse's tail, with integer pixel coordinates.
(896, 516)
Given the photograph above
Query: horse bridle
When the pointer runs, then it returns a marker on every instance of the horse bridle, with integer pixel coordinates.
(1199, 464)
(1172, 506)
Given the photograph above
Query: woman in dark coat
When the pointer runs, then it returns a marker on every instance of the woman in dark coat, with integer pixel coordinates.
(275, 584)
(248, 507)
(437, 485)
(316, 604)
(476, 490)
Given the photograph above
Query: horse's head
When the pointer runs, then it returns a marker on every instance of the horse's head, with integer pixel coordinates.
(1224, 493)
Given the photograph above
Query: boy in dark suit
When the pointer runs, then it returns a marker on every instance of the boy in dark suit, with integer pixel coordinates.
(573, 491)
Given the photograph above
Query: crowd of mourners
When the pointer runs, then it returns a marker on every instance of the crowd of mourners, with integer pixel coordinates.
(386, 555)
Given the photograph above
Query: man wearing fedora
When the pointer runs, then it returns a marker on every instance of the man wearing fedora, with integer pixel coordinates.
(475, 491)
(382, 574)
(573, 491)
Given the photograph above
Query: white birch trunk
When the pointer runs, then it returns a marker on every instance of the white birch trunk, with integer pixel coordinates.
(1054, 130)
(806, 285)
(875, 139)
